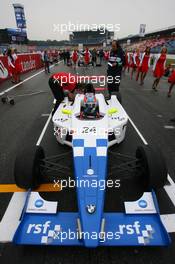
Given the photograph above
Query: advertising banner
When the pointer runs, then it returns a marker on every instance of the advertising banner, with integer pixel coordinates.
(27, 63)
(19, 15)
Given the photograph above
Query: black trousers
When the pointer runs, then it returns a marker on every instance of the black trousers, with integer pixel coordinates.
(56, 90)
(114, 78)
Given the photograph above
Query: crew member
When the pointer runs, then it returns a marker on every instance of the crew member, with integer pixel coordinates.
(115, 64)
(63, 83)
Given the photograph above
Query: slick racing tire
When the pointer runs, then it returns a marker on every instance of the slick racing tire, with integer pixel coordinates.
(27, 169)
(153, 167)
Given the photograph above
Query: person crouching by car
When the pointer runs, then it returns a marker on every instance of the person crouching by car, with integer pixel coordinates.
(63, 84)
(115, 65)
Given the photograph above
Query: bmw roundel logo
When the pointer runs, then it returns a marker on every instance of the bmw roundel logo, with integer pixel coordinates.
(39, 203)
(143, 204)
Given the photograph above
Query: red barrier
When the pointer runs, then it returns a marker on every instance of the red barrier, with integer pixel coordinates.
(27, 63)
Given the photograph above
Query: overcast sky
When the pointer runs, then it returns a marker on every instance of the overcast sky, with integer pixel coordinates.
(41, 15)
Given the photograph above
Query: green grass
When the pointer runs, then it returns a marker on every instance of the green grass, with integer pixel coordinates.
(172, 61)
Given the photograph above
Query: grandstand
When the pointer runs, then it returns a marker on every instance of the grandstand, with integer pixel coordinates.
(156, 40)
(91, 38)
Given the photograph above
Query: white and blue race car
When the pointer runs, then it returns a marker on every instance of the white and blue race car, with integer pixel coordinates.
(39, 222)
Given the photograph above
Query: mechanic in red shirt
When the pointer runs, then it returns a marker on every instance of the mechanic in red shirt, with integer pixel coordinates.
(63, 83)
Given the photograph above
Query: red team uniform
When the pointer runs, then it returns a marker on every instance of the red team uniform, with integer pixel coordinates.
(134, 60)
(127, 60)
(75, 56)
(145, 63)
(159, 66)
(87, 56)
(106, 55)
(17, 65)
(131, 63)
(68, 81)
(171, 79)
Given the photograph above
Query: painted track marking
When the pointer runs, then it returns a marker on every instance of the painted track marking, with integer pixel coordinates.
(11, 188)
(170, 189)
(25, 80)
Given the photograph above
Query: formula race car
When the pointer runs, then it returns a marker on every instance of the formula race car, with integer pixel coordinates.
(90, 134)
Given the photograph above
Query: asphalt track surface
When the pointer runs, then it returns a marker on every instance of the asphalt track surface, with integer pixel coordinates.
(23, 123)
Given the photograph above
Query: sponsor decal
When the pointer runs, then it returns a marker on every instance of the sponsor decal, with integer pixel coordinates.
(143, 203)
(39, 203)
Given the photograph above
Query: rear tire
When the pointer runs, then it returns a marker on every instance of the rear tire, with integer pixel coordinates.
(153, 167)
(28, 170)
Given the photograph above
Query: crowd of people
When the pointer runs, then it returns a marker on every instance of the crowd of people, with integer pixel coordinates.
(119, 61)
(94, 56)
(139, 62)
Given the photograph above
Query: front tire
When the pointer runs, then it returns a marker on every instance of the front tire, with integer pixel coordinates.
(28, 170)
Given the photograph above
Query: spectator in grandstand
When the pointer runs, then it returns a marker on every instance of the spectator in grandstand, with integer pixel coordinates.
(46, 62)
(135, 61)
(127, 61)
(171, 80)
(115, 65)
(74, 58)
(144, 65)
(159, 67)
(94, 56)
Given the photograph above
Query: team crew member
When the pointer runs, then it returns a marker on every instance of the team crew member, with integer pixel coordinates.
(115, 64)
(67, 56)
(62, 83)
(171, 80)
(144, 65)
(74, 57)
(46, 62)
(94, 57)
(159, 67)
(135, 62)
